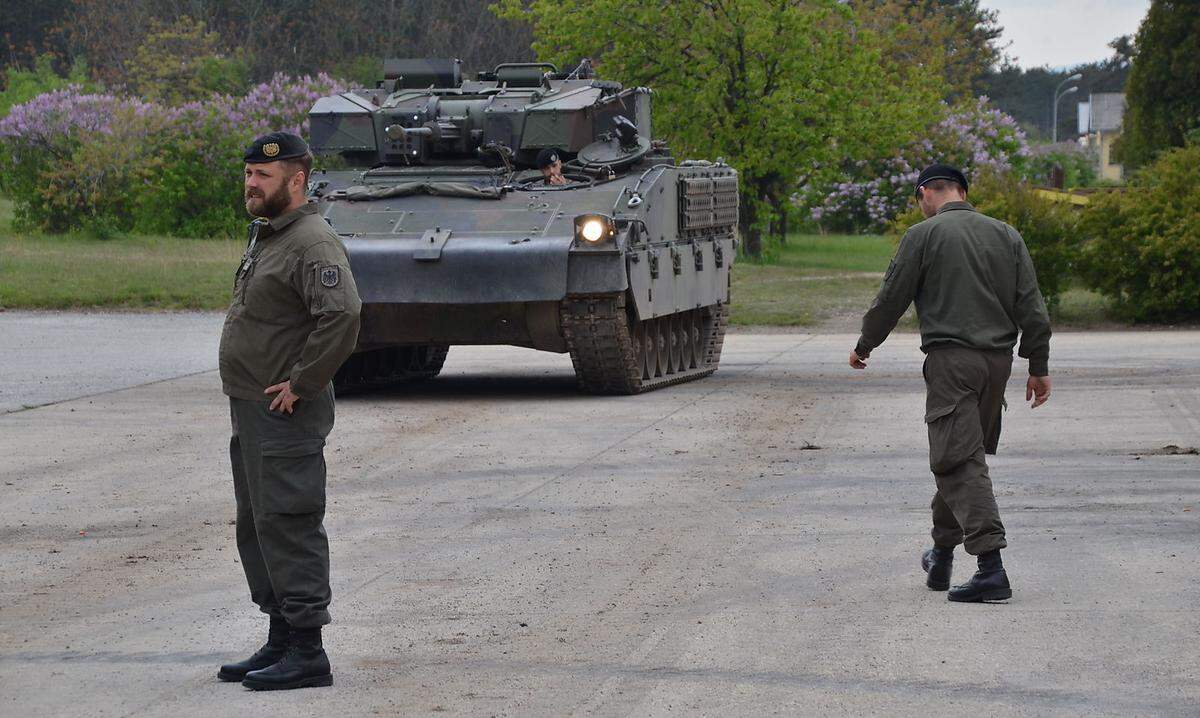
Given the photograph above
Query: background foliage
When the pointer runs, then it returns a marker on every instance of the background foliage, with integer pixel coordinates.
(183, 62)
(294, 37)
(1079, 165)
(101, 162)
(971, 135)
(1164, 85)
(957, 36)
(1143, 244)
(24, 85)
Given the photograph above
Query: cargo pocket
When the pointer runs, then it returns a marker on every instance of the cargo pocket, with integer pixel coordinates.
(293, 476)
(954, 435)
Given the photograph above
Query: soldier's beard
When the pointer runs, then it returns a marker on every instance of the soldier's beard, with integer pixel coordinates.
(269, 206)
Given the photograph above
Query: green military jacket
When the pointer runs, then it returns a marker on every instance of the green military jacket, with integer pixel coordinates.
(973, 283)
(295, 309)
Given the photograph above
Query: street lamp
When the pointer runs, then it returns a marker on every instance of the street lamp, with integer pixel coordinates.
(1058, 96)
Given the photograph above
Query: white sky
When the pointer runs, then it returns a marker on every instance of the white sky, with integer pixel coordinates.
(1064, 32)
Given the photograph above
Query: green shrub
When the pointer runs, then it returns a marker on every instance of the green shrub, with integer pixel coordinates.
(1081, 166)
(1143, 244)
(1050, 229)
(103, 163)
(192, 186)
(21, 86)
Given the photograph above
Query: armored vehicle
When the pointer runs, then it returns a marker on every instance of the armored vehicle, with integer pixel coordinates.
(455, 237)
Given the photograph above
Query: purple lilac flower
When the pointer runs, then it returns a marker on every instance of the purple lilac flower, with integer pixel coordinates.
(972, 135)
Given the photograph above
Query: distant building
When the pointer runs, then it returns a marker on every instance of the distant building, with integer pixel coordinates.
(1100, 125)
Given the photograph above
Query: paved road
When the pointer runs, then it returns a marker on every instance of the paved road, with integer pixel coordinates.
(744, 545)
(51, 356)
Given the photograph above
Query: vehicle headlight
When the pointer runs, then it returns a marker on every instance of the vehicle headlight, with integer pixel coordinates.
(594, 229)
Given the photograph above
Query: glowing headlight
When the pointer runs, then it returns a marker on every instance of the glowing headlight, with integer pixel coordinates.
(592, 230)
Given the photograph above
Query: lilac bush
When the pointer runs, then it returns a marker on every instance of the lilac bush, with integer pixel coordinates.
(972, 135)
(76, 160)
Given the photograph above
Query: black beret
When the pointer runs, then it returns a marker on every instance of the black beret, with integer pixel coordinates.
(941, 172)
(547, 157)
(275, 146)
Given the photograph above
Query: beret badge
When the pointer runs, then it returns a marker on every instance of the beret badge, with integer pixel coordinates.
(270, 149)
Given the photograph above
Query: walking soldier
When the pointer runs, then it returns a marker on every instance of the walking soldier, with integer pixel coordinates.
(974, 286)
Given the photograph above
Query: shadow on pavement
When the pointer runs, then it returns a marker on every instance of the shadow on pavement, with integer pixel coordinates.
(512, 387)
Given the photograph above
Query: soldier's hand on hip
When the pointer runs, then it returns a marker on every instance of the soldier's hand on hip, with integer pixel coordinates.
(1037, 389)
(857, 362)
(284, 397)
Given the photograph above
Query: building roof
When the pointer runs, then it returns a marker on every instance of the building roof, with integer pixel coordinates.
(1107, 109)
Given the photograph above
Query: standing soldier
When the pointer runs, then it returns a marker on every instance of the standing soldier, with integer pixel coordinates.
(975, 288)
(293, 321)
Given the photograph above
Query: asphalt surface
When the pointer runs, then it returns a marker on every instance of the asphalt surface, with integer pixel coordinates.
(743, 545)
(53, 356)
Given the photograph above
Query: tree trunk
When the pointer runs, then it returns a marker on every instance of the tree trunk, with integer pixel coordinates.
(751, 236)
(779, 222)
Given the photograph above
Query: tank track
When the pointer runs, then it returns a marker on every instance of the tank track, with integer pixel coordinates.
(615, 354)
(376, 368)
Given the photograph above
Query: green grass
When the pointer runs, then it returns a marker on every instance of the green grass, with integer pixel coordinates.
(817, 278)
(68, 271)
(828, 281)
(1082, 308)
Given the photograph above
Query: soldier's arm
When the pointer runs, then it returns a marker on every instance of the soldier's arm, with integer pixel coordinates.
(895, 294)
(325, 282)
(1030, 312)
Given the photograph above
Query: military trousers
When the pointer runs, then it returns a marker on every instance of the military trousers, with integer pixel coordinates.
(278, 464)
(963, 404)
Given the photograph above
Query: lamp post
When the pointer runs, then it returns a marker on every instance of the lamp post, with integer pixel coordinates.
(1058, 96)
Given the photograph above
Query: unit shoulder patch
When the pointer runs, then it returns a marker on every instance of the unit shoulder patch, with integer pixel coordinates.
(330, 276)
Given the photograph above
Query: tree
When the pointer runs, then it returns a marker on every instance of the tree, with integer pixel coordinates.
(183, 61)
(23, 85)
(1163, 97)
(786, 91)
(959, 33)
(27, 31)
(299, 36)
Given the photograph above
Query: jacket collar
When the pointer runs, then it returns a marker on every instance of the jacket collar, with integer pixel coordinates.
(957, 204)
(287, 218)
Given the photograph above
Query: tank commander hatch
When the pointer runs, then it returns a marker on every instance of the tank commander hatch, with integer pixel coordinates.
(550, 164)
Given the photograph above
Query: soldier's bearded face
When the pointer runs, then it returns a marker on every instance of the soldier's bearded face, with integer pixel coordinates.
(266, 192)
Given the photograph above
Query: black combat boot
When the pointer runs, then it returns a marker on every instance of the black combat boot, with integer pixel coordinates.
(269, 654)
(990, 582)
(305, 665)
(937, 562)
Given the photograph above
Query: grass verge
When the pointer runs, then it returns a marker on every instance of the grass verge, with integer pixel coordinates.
(67, 271)
(817, 279)
(828, 281)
